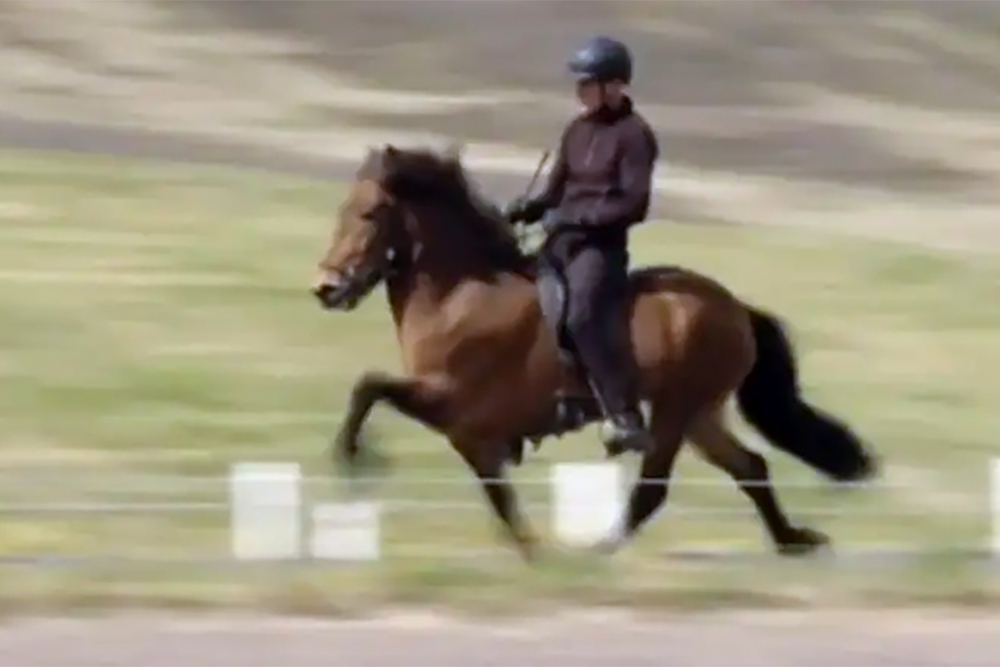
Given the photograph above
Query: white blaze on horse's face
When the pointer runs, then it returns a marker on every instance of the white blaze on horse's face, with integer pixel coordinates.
(357, 249)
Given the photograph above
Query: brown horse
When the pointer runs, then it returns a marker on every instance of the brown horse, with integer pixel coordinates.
(482, 367)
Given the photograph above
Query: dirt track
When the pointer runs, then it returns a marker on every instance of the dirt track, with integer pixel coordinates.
(599, 638)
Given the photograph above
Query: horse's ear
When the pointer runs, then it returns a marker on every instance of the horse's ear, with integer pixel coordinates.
(391, 154)
(390, 164)
(394, 172)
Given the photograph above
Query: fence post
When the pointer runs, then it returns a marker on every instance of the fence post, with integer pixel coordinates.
(265, 502)
(995, 507)
(588, 503)
(346, 531)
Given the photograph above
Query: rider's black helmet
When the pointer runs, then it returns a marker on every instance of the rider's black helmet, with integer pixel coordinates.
(602, 59)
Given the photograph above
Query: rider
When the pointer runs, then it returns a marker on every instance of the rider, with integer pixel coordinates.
(599, 187)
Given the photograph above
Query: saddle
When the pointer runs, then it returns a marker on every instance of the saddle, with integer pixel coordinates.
(552, 296)
(576, 404)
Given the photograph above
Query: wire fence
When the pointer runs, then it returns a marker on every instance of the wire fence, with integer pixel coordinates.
(110, 519)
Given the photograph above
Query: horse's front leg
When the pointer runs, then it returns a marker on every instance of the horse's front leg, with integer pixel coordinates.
(487, 460)
(421, 399)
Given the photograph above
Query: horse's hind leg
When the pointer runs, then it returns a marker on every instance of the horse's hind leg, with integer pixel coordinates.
(750, 471)
(650, 490)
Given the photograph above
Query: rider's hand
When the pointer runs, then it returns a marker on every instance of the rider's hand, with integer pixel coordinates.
(524, 210)
(513, 212)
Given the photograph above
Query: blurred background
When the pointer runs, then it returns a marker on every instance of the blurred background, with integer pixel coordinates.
(168, 181)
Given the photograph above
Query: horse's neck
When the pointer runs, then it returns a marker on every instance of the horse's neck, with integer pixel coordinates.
(436, 298)
(443, 258)
(452, 273)
(414, 293)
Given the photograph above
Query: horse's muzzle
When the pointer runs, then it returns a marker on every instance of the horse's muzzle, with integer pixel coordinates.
(338, 295)
(344, 291)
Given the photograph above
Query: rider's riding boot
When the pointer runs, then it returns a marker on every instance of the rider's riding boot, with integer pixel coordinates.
(626, 431)
(614, 386)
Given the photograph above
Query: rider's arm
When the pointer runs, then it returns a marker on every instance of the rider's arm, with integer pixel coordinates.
(631, 205)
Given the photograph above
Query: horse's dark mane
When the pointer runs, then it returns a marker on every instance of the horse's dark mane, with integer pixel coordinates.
(423, 174)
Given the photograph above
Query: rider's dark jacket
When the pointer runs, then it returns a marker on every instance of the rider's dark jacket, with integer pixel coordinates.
(603, 173)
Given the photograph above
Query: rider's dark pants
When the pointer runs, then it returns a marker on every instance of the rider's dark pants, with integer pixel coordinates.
(593, 269)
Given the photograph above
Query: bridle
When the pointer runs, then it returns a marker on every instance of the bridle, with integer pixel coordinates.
(355, 283)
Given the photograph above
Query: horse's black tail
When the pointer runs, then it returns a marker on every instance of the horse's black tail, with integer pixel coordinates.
(770, 400)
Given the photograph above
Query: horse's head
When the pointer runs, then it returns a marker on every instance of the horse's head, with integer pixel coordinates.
(403, 201)
(367, 238)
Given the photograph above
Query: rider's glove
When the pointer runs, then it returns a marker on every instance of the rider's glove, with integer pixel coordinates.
(524, 210)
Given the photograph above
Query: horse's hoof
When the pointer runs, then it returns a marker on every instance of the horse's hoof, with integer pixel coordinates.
(802, 542)
(372, 462)
(341, 455)
(610, 545)
(358, 454)
(530, 548)
(344, 453)
(614, 449)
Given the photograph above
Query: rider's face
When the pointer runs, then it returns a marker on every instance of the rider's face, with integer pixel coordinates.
(590, 94)
(593, 94)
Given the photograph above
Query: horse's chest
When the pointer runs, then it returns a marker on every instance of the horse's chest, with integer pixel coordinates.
(463, 337)
(425, 351)
(434, 345)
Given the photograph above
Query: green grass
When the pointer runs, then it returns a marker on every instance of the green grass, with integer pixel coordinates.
(155, 320)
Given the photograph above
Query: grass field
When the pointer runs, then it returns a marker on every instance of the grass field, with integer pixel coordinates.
(156, 320)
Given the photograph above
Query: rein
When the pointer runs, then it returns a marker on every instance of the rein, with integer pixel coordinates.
(524, 234)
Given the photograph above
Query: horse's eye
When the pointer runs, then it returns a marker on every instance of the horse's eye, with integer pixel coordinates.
(376, 213)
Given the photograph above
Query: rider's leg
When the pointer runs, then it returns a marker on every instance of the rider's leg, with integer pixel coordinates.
(552, 291)
(596, 319)
(571, 410)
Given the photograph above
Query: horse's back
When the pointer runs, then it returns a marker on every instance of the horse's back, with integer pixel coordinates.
(674, 279)
(689, 332)
(653, 279)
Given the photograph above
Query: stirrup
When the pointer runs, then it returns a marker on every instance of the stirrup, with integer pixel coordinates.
(621, 438)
